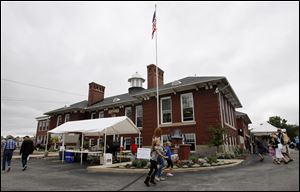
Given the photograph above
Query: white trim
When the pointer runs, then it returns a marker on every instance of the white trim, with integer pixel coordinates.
(181, 107)
(230, 126)
(136, 115)
(161, 110)
(67, 115)
(101, 112)
(58, 117)
(93, 113)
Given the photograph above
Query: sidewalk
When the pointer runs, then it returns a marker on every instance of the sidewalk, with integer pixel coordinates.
(38, 155)
(113, 168)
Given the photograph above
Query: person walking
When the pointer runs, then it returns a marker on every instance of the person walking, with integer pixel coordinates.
(27, 148)
(260, 149)
(272, 147)
(155, 153)
(8, 149)
(169, 159)
(278, 150)
(161, 165)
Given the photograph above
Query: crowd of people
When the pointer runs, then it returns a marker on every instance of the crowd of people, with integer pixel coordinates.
(278, 147)
(9, 146)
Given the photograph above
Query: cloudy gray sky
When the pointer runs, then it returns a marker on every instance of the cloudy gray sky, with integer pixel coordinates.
(66, 45)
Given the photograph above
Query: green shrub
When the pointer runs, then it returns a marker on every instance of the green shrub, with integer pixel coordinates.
(139, 163)
(194, 159)
(212, 159)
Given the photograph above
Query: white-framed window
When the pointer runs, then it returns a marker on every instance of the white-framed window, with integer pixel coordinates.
(128, 112)
(136, 139)
(40, 125)
(127, 143)
(67, 117)
(44, 125)
(187, 107)
(190, 138)
(93, 115)
(59, 120)
(139, 115)
(166, 109)
(47, 124)
(101, 114)
(164, 138)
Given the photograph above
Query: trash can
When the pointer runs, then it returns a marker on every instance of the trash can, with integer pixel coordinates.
(69, 157)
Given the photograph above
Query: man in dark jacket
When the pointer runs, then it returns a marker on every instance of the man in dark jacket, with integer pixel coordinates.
(26, 149)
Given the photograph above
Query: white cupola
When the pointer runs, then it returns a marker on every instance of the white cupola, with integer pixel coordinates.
(136, 80)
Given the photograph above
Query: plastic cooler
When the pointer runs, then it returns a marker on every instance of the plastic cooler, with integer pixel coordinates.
(69, 157)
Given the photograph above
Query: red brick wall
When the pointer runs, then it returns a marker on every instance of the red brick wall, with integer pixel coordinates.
(206, 113)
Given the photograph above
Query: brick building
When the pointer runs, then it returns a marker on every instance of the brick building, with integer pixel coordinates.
(189, 105)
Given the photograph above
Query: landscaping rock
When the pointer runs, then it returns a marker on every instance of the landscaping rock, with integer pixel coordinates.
(196, 165)
(185, 166)
(206, 165)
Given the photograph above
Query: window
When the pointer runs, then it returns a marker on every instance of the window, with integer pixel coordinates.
(127, 143)
(128, 112)
(93, 115)
(40, 125)
(166, 110)
(101, 114)
(139, 116)
(190, 138)
(47, 124)
(59, 120)
(44, 125)
(187, 107)
(67, 117)
(137, 141)
(164, 138)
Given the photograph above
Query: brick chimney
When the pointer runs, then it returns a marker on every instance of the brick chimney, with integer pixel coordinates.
(96, 93)
(151, 71)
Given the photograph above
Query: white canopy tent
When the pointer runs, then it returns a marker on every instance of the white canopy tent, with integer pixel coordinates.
(264, 129)
(97, 127)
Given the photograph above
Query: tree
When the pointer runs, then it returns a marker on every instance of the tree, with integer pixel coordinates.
(217, 133)
(277, 121)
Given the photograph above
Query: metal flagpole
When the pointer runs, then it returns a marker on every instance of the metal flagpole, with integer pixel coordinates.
(157, 95)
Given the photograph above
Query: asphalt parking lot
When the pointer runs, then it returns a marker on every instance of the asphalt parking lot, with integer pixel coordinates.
(251, 175)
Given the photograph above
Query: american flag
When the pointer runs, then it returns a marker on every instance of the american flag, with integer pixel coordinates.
(154, 24)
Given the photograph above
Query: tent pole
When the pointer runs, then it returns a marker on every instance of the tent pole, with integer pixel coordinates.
(81, 149)
(63, 147)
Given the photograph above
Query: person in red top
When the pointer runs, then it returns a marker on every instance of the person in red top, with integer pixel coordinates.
(133, 149)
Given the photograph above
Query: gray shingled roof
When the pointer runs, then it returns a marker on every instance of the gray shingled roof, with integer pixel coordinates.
(244, 116)
(126, 98)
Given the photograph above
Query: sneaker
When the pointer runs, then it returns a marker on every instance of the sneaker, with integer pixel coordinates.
(162, 179)
(147, 184)
(8, 169)
(153, 182)
(157, 179)
(24, 168)
(170, 174)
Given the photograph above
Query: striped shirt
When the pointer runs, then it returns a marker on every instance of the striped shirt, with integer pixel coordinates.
(10, 144)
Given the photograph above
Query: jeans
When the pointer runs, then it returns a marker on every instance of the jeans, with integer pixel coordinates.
(7, 155)
(161, 164)
(153, 170)
(24, 159)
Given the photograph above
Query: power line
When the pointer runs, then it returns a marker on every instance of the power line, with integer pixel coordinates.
(37, 86)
